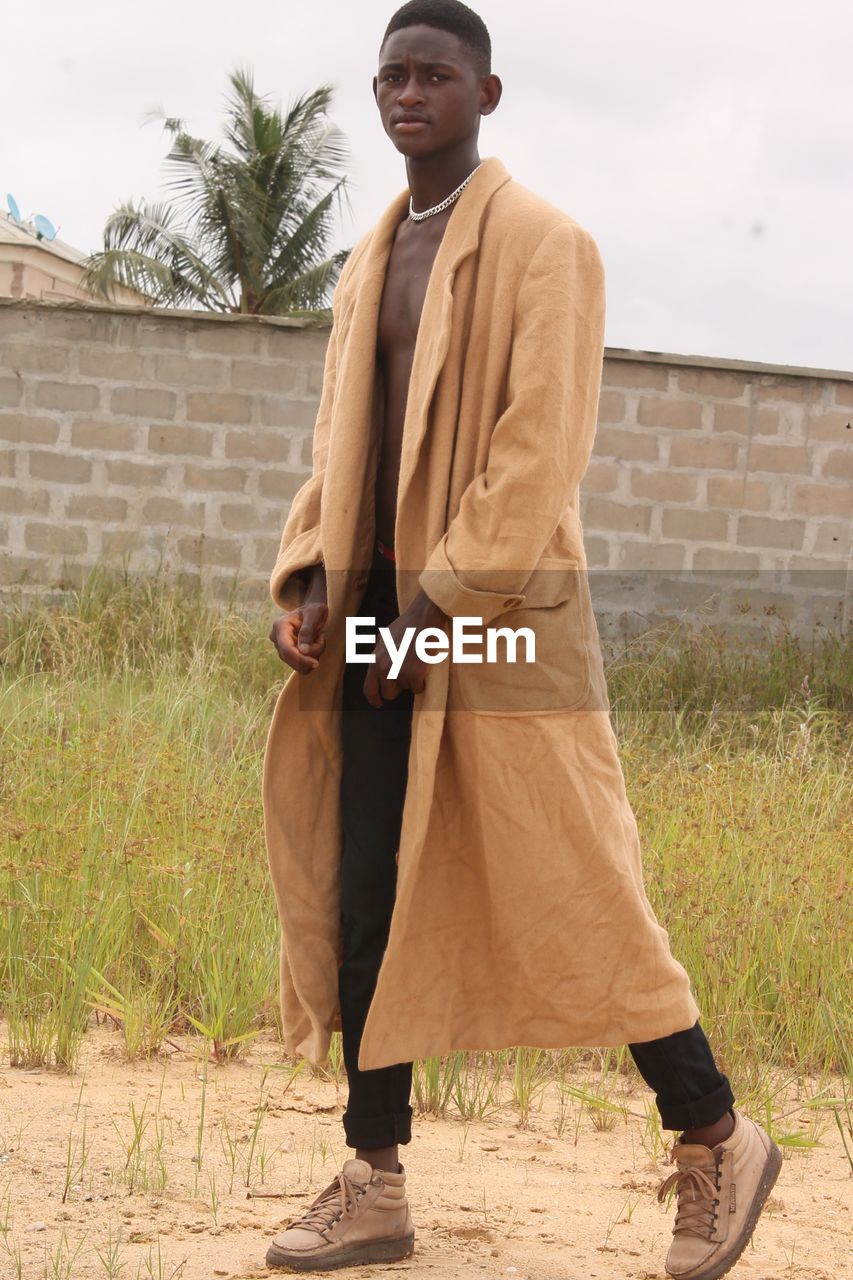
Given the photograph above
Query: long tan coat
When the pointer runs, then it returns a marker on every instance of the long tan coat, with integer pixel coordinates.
(521, 916)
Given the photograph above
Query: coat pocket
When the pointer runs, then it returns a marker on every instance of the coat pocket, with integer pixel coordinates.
(555, 613)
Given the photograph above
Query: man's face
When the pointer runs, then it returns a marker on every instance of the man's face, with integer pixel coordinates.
(429, 94)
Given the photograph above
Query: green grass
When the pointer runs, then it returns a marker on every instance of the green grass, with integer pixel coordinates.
(133, 876)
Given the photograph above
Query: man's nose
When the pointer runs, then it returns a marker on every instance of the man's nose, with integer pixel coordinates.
(410, 92)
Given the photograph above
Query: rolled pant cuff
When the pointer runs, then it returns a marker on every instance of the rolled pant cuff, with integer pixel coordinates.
(699, 1113)
(378, 1131)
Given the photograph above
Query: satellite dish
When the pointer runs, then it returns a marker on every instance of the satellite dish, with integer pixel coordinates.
(13, 208)
(45, 228)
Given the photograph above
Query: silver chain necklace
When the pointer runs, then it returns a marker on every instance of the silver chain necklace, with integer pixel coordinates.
(439, 208)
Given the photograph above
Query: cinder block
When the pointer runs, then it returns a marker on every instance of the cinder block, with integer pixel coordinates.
(602, 513)
(280, 484)
(288, 414)
(631, 373)
(67, 397)
(34, 357)
(786, 459)
(246, 517)
(703, 451)
(611, 406)
(217, 338)
(764, 531)
(631, 446)
(144, 402)
(600, 477)
(103, 362)
(171, 511)
(837, 464)
(724, 558)
(23, 428)
(188, 371)
(695, 526)
(23, 570)
(713, 383)
(266, 554)
(55, 539)
(93, 506)
(87, 327)
(263, 446)
(677, 595)
(831, 538)
(734, 493)
(746, 420)
(161, 333)
(18, 501)
(203, 551)
(178, 439)
(675, 415)
(119, 437)
(833, 426)
(793, 390)
(314, 380)
(597, 552)
(141, 475)
(7, 463)
(120, 542)
(844, 394)
(279, 377)
(664, 486)
(215, 479)
(809, 499)
(68, 468)
(11, 392)
(218, 407)
(651, 555)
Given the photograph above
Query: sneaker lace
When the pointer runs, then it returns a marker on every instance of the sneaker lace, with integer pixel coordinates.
(340, 1199)
(697, 1194)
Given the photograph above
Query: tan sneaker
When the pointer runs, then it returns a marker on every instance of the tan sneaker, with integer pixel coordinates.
(362, 1216)
(720, 1194)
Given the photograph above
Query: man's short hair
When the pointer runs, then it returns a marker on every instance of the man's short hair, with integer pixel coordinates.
(448, 15)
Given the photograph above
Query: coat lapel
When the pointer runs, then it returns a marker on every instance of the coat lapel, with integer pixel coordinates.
(460, 239)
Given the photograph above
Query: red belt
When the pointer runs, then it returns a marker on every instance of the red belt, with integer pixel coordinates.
(387, 552)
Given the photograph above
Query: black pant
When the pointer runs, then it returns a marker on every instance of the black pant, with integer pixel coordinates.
(690, 1090)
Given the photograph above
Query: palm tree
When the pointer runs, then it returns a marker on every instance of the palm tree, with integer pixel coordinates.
(249, 225)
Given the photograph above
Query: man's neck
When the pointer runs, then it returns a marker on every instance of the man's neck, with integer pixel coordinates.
(434, 178)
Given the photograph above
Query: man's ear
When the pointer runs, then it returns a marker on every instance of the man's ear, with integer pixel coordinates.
(375, 86)
(490, 94)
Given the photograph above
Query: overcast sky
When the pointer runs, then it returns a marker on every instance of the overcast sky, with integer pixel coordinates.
(707, 147)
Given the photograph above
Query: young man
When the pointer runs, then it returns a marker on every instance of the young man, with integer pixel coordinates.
(454, 858)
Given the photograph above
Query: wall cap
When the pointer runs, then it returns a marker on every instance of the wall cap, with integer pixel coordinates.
(288, 322)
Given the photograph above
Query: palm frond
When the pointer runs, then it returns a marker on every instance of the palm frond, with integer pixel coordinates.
(249, 221)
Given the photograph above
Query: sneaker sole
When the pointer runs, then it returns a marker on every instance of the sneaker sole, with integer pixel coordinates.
(765, 1186)
(367, 1251)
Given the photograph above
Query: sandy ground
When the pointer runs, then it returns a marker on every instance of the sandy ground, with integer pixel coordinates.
(486, 1196)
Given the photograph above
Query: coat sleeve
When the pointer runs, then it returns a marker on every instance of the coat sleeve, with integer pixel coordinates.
(541, 443)
(300, 546)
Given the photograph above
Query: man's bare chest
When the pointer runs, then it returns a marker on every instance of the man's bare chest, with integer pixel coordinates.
(406, 281)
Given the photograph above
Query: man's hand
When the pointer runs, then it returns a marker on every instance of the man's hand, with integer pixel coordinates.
(378, 686)
(299, 636)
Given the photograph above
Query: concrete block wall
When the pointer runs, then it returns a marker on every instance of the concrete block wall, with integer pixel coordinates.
(722, 487)
(717, 489)
(149, 436)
